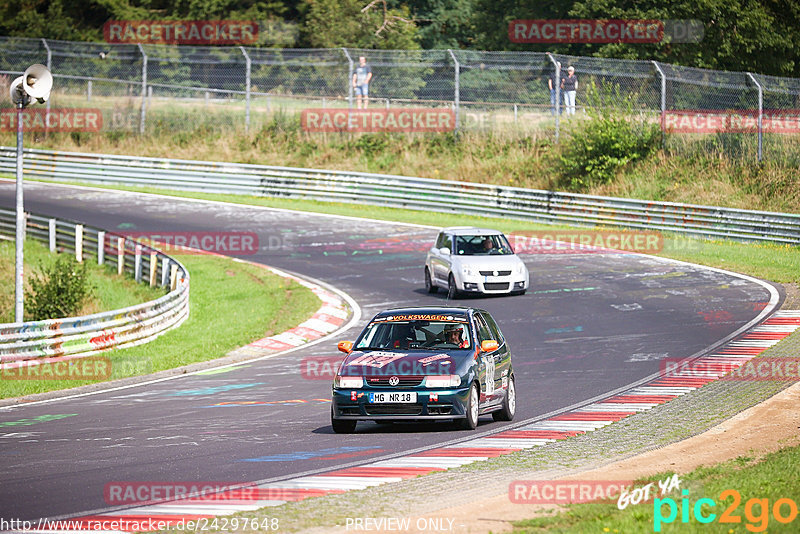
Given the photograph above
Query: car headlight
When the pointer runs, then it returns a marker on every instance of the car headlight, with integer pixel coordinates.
(520, 268)
(442, 381)
(348, 382)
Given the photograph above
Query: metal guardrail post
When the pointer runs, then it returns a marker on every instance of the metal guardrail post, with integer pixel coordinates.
(144, 90)
(349, 78)
(557, 66)
(79, 243)
(760, 115)
(457, 89)
(246, 89)
(663, 103)
(51, 232)
(137, 263)
(101, 247)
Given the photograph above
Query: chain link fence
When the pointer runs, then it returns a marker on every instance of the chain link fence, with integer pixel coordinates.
(153, 88)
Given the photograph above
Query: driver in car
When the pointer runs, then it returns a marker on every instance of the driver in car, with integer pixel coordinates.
(453, 334)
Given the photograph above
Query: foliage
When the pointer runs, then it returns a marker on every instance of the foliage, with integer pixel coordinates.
(59, 290)
(610, 140)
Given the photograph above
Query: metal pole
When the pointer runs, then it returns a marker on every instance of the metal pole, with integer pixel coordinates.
(144, 90)
(50, 68)
(760, 115)
(20, 237)
(349, 78)
(246, 89)
(663, 103)
(457, 90)
(558, 92)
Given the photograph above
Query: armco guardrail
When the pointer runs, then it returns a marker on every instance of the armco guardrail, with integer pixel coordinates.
(407, 192)
(83, 336)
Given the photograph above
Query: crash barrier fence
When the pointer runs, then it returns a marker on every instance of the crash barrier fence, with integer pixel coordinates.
(549, 207)
(150, 87)
(87, 335)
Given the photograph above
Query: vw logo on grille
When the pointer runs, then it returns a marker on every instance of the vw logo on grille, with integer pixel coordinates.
(394, 381)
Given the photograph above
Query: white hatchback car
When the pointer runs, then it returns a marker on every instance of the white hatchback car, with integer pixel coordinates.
(474, 260)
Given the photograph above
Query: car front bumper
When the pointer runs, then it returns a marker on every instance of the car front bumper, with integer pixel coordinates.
(445, 404)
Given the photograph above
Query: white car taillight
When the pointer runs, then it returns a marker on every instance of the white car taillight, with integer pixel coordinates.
(348, 382)
(443, 381)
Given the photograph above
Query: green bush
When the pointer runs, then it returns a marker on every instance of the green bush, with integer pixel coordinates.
(610, 139)
(58, 290)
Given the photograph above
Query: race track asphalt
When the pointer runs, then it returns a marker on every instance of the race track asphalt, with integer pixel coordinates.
(591, 323)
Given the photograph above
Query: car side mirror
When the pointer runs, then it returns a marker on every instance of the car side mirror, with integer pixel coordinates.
(345, 346)
(490, 345)
(444, 251)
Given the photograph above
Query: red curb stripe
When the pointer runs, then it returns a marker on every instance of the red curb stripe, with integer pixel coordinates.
(644, 399)
(781, 321)
(538, 434)
(591, 416)
(463, 452)
(402, 472)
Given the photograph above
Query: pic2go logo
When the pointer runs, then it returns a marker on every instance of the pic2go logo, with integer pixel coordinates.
(756, 511)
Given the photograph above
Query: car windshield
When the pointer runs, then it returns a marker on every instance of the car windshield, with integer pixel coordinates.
(415, 335)
(482, 245)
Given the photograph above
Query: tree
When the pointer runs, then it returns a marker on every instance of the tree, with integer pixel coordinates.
(338, 23)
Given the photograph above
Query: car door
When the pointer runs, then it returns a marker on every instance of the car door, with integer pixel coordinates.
(488, 362)
(440, 263)
(502, 355)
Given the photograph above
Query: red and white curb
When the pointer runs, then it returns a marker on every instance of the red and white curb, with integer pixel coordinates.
(579, 421)
(326, 320)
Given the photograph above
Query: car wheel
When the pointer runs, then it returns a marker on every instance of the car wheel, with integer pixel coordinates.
(452, 290)
(506, 413)
(429, 287)
(342, 426)
(470, 422)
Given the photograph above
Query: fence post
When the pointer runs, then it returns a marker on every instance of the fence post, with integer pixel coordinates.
(760, 115)
(246, 89)
(164, 271)
(153, 268)
(457, 90)
(144, 89)
(79, 243)
(50, 68)
(89, 91)
(557, 65)
(663, 103)
(51, 226)
(349, 78)
(120, 255)
(101, 247)
(137, 263)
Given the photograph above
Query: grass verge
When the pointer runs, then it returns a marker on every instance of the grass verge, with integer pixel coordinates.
(759, 484)
(237, 301)
(109, 290)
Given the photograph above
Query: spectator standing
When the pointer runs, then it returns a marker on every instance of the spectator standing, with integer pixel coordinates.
(569, 84)
(552, 85)
(361, 79)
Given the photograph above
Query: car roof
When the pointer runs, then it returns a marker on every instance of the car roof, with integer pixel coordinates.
(470, 230)
(428, 310)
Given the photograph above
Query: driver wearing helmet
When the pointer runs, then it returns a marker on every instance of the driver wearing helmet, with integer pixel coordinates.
(454, 334)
